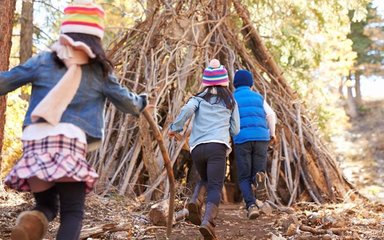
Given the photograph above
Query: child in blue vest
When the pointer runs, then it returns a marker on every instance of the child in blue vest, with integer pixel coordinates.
(216, 119)
(257, 121)
(70, 85)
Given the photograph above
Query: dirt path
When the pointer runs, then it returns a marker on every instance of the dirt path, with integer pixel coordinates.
(231, 224)
(118, 218)
(231, 221)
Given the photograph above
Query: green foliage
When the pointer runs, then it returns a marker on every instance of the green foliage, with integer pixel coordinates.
(309, 39)
(362, 35)
(12, 148)
(361, 41)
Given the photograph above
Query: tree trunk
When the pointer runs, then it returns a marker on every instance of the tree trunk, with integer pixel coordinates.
(3, 104)
(26, 31)
(358, 97)
(7, 10)
(351, 104)
(341, 87)
(351, 107)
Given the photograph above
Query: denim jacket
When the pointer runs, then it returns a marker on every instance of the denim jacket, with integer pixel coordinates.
(212, 122)
(86, 109)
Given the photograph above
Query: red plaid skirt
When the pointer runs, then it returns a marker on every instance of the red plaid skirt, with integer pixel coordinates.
(50, 159)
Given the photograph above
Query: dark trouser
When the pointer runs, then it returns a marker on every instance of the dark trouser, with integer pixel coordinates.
(210, 164)
(251, 157)
(71, 196)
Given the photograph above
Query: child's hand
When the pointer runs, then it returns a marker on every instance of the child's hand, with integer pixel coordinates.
(273, 140)
(144, 98)
(171, 134)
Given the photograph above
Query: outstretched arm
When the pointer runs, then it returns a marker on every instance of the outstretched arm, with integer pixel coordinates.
(186, 112)
(124, 100)
(19, 75)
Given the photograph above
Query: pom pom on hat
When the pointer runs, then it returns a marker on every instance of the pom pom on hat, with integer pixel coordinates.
(214, 63)
(243, 78)
(83, 17)
(215, 74)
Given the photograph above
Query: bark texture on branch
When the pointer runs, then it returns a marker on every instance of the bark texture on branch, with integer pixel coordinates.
(7, 11)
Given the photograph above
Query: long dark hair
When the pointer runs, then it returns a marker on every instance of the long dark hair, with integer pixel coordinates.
(97, 48)
(222, 94)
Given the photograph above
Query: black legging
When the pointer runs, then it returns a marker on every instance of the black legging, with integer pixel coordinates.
(71, 196)
(210, 164)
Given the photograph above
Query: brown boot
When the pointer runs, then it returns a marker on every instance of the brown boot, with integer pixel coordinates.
(207, 227)
(196, 203)
(261, 188)
(30, 225)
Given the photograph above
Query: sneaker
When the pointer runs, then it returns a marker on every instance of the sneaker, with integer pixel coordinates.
(261, 189)
(253, 212)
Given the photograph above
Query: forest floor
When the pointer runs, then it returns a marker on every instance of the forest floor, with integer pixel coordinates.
(361, 156)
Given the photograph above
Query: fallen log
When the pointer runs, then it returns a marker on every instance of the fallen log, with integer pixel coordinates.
(318, 231)
(159, 214)
(102, 229)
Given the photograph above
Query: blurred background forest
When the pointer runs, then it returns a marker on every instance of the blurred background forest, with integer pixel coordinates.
(330, 52)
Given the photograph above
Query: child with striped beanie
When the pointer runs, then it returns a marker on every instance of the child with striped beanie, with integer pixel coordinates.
(216, 119)
(64, 121)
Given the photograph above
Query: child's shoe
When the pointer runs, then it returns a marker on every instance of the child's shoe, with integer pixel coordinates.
(30, 225)
(253, 212)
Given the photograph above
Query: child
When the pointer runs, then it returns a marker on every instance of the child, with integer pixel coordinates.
(65, 116)
(257, 120)
(216, 118)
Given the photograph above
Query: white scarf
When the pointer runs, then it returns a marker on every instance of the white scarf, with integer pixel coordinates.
(73, 54)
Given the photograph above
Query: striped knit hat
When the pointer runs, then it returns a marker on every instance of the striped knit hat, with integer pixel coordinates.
(215, 74)
(83, 17)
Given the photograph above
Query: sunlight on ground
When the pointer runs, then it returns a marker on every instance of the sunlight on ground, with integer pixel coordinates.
(360, 168)
(10, 198)
(359, 150)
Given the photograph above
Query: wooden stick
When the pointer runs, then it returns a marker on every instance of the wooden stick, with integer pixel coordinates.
(318, 231)
(168, 166)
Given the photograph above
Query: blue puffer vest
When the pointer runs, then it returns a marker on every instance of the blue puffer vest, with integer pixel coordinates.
(253, 123)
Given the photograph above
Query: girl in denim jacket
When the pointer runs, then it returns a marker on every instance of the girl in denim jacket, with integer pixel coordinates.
(64, 119)
(216, 119)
